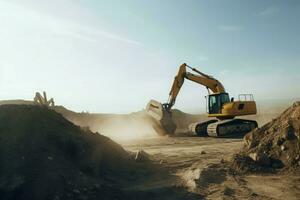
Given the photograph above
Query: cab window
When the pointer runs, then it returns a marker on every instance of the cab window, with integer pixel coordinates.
(224, 98)
(214, 104)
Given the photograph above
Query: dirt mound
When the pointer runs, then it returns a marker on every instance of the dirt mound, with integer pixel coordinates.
(16, 101)
(44, 156)
(273, 146)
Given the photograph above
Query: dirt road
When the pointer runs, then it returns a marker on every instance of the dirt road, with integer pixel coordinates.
(197, 165)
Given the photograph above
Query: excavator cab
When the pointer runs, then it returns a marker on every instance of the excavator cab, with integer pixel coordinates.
(216, 101)
(219, 105)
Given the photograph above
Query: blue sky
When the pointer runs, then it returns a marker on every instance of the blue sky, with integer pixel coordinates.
(113, 56)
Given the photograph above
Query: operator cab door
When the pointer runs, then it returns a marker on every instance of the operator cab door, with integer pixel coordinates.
(216, 101)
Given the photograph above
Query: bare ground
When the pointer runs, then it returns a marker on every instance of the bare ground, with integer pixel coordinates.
(198, 165)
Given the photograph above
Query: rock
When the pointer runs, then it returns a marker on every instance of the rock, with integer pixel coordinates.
(277, 164)
(296, 104)
(274, 129)
(228, 191)
(277, 140)
(141, 156)
(264, 160)
(253, 194)
(289, 134)
(253, 156)
(297, 134)
(280, 141)
(260, 158)
(249, 140)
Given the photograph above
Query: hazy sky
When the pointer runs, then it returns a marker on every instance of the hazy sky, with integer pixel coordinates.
(114, 56)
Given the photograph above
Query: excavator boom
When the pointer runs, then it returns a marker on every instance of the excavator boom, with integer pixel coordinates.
(209, 82)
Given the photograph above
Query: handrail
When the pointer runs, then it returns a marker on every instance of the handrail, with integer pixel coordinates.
(246, 97)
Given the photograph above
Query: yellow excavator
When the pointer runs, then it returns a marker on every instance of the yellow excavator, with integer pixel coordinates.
(219, 105)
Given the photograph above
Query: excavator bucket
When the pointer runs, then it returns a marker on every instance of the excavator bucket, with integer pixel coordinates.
(155, 109)
(163, 123)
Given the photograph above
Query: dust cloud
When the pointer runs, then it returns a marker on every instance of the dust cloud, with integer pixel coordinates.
(126, 128)
(120, 127)
(139, 125)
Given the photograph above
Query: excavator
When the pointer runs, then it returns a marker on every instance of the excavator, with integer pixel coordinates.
(220, 107)
(42, 100)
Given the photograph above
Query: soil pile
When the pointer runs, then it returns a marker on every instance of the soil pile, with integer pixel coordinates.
(44, 156)
(273, 146)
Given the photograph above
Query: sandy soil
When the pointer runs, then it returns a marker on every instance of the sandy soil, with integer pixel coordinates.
(197, 164)
(45, 156)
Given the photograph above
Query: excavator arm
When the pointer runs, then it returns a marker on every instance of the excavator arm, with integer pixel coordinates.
(209, 82)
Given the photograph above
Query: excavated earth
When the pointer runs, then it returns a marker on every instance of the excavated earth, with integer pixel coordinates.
(35, 157)
(45, 156)
(264, 165)
(275, 146)
(204, 166)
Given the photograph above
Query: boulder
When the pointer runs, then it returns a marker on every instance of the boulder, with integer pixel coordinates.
(261, 159)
